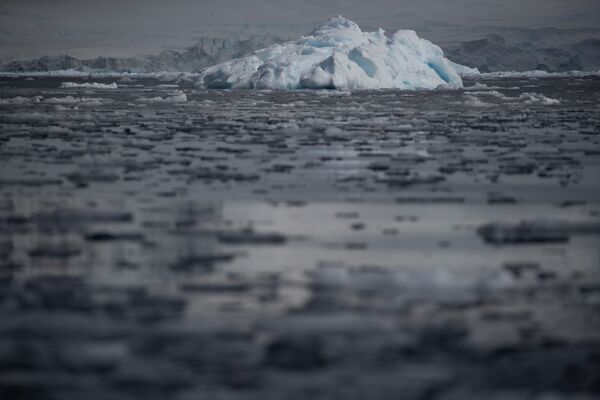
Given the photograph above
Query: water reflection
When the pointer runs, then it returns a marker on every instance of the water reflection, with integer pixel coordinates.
(231, 249)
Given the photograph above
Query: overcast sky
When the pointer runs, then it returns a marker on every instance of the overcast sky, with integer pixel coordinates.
(113, 26)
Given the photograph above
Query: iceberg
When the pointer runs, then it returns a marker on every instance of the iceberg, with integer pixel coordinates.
(339, 55)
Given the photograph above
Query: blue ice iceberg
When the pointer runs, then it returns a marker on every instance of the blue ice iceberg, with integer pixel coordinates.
(340, 56)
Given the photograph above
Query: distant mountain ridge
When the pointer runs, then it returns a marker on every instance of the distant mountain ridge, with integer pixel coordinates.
(522, 49)
(489, 49)
(206, 52)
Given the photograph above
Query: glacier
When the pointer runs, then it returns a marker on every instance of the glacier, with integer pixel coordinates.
(339, 55)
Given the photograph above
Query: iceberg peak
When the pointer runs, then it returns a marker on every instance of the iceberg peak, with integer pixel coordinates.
(339, 55)
(336, 23)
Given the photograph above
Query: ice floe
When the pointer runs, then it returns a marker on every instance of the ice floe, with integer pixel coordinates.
(74, 100)
(89, 85)
(474, 101)
(176, 97)
(52, 100)
(20, 100)
(473, 98)
(536, 98)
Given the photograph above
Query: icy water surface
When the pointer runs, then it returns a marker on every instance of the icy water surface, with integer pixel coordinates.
(162, 242)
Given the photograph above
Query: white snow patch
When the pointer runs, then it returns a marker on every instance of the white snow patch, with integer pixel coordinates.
(340, 56)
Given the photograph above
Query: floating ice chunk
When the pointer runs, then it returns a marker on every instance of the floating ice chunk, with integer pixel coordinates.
(21, 100)
(490, 93)
(63, 108)
(478, 86)
(51, 100)
(91, 101)
(474, 101)
(89, 85)
(176, 97)
(536, 98)
(527, 98)
(340, 56)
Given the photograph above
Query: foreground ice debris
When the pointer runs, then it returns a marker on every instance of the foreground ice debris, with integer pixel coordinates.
(340, 56)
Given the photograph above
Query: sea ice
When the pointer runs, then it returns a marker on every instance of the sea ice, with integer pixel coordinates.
(21, 100)
(176, 97)
(89, 85)
(537, 98)
(52, 100)
(341, 56)
(474, 101)
(91, 101)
